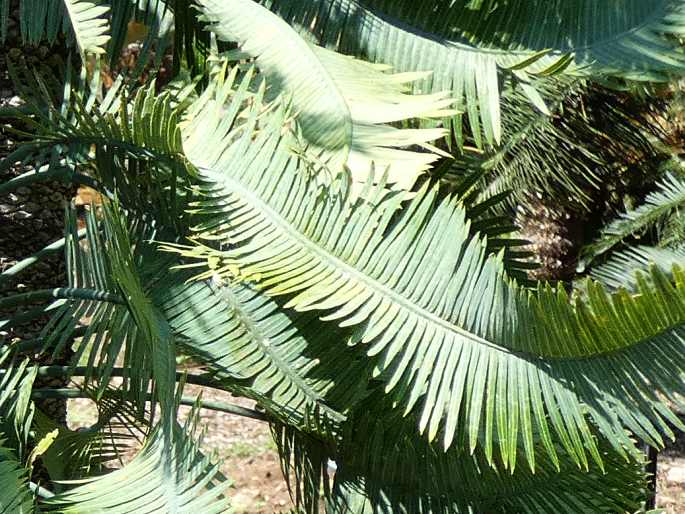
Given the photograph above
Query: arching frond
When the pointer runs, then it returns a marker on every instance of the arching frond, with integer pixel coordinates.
(468, 48)
(455, 340)
(89, 267)
(169, 474)
(83, 453)
(487, 217)
(16, 407)
(589, 136)
(306, 459)
(343, 105)
(136, 162)
(669, 196)
(383, 468)
(90, 25)
(135, 139)
(358, 320)
(85, 20)
(621, 270)
(123, 323)
(95, 27)
(282, 359)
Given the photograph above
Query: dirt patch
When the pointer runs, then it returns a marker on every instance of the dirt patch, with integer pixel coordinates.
(248, 455)
(243, 446)
(671, 477)
(249, 459)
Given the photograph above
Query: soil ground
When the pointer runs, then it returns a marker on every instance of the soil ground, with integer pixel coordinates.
(243, 446)
(671, 477)
(249, 458)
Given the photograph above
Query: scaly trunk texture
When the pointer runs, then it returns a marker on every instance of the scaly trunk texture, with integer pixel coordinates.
(558, 225)
(555, 236)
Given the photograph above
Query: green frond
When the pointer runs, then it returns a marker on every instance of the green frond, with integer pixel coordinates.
(16, 408)
(43, 20)
(153, 340)
(621, 270)
(343, 105)
(590, 134)
(669, 197)
(454, 339)
(89, 268)
(547, 492)
(305, 459)
(96, 27)
(284, 360)
(78, 454)
(469, 49)
(131, 328)
(40, 20)
(144, 125)
(15, 495)
(169, 474)
(138, 149)
(487, 214)
(89, 22)
(383, 468)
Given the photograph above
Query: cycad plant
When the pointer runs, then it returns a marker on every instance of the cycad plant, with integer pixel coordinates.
(307, 211)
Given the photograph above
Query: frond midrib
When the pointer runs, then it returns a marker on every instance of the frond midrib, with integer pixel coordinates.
(228, 297)
(384, 291)
(276, 218)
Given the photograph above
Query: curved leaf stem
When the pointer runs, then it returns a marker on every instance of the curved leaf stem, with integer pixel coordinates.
(40, 491)
(186, 400)
(72, 293)
(37, 344)
(80, 371)
(50, 249)
(62, 173)
(8, 113)
(23, 317)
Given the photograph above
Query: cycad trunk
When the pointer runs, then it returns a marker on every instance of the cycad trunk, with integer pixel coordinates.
(555, 234)
(627, 167)
(30, 218)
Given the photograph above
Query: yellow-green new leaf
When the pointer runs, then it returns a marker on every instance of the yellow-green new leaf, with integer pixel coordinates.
(342, 104)
(42, 446)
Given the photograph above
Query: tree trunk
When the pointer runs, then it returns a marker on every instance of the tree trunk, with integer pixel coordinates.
(555, 234)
